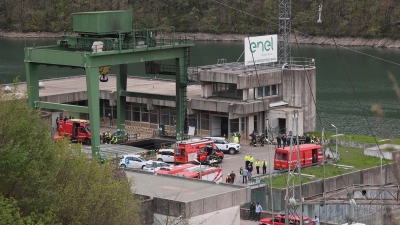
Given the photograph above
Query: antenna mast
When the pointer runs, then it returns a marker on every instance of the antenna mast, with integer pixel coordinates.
(285, 13)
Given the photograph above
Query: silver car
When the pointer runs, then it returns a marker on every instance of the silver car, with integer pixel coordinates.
(154, 166)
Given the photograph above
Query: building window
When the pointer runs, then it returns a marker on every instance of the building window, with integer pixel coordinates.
(274, 89)
(193, 120)
(266, 91)
(165, 116)
(172, 117)
(128, 111)
(205, 121)
(227, 90)
(136, 113)
(234, 125)
(153, 116)
(145, 115)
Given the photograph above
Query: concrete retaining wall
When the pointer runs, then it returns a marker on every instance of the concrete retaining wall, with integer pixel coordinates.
(350, 143)
(202, 206)
(376, 152)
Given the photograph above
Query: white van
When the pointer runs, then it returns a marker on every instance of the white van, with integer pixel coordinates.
(165, 155)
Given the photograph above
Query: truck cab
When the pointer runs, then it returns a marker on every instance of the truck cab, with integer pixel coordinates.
(75, 129)
(201, 150)
(281, 220)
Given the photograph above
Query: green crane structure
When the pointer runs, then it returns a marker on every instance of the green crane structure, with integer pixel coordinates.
(105, 39)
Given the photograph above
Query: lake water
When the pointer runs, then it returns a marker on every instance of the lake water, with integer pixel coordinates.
(336, 101)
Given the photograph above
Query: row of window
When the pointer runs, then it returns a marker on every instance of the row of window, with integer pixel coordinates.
(267, 91)
(139, 113)
(231, 91)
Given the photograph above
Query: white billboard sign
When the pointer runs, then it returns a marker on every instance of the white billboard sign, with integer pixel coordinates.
(264, 49)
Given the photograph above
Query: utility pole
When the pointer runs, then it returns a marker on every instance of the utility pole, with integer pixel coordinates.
(323, 161)
(284, 31)
(288, 180)
(299, 165)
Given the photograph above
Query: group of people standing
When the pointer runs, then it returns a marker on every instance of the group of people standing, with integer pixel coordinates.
(284, 140)
(246, 172)
(255, 211)
(230, 179)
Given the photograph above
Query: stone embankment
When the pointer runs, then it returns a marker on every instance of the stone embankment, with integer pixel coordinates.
(321, 40)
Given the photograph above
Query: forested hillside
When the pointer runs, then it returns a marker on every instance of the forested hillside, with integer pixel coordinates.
(355, 18)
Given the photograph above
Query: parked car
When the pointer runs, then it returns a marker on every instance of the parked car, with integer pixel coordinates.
(132, 161)
(154, 166)
(165, 155)
(224, 145)
(280, 220)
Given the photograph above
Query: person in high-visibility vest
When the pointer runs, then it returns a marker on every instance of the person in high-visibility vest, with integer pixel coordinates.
(258, 163)
(251, 159)
(114, 140)
(247, 160)
(235, 138)
(264, 166)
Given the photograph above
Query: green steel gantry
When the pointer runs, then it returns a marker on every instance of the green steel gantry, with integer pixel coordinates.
(105, 39)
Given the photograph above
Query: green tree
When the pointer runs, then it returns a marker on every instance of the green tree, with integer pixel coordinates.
(43, 181)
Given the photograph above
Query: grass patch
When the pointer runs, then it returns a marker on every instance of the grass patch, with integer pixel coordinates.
(348, 156)
(280, 181)
(355, 157)
(353, 137)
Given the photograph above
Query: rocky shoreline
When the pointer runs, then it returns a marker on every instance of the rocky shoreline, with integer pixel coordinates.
(321, 40)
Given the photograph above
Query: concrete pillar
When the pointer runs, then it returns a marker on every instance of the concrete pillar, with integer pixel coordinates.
(250, 95)
(228, 136)
(250, 125)
(240, 125)
(206, 90)
(245, 94)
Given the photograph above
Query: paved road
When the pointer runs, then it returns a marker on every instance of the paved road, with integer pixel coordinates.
(234, 162)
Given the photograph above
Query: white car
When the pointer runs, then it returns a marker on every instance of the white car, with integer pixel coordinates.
(132, 161)
(224, 145)
(165, 155)
(154, 166)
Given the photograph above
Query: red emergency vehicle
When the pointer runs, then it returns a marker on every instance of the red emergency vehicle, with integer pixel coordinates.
(202, 172)
(202, 150)
(310, 154)
(280, 220)
(75, 130)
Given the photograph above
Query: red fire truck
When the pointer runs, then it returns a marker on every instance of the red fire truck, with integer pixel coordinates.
(280, 220)
(310, 154)
(188, 170)
(75, 130)
(201, 150)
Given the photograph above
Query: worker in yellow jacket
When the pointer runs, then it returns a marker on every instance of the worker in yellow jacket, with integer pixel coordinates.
(247, 160)
(258, 163)
(264, 166)
(251, 159)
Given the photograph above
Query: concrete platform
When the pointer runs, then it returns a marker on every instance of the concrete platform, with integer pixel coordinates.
(191, 200)
(71, 89)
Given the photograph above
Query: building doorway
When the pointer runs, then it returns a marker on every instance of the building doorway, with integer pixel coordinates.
(219, 126)
(255, 123)
(282, 125)
(215, 126)
(224, 127)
